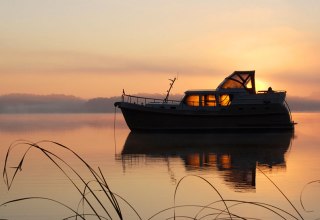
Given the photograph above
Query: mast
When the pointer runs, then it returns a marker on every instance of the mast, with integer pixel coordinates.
(168, 91)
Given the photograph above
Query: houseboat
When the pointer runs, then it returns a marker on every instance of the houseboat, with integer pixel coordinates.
(234, 104)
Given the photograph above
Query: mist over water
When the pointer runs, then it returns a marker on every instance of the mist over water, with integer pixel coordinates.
(144, 168)
(21, 123)
(30, 103)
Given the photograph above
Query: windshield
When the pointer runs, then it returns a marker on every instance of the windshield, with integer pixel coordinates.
(238, 80)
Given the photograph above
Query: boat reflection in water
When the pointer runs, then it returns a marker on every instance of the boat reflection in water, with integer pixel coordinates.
(234, 156)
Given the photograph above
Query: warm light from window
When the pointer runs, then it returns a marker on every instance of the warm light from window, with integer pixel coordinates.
(192, 100)
(225, 100)
(210, 100)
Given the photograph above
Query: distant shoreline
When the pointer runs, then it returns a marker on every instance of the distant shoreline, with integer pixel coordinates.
(64, 104)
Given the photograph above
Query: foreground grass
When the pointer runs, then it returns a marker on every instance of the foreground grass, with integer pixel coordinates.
(98, 201)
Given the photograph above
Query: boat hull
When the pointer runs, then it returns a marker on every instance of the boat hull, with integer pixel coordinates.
(142, 118)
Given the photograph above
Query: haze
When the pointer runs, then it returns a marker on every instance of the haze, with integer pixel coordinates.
(97, 48)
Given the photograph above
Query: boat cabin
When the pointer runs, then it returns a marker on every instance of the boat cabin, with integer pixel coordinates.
(236, 89)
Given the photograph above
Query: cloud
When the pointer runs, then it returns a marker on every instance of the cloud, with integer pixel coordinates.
(64, 62)
(303, 78)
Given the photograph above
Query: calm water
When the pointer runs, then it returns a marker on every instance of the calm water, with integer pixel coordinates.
(145, 169)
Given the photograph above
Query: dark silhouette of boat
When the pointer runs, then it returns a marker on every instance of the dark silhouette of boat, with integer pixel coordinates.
(235, 104)
(235, 156)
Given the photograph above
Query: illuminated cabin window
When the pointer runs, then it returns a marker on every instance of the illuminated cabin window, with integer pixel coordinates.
(225, 100)
(201, 100)
(210, 100)
(192, 100)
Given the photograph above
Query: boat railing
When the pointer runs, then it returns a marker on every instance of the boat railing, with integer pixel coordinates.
(271, 91)
(145, 100)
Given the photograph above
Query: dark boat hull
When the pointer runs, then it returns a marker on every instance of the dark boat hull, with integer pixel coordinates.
(143, 118)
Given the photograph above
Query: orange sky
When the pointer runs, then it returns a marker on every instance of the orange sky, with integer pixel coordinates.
(98, 47)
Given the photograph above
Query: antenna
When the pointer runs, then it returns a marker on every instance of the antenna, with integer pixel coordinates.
(168, 91)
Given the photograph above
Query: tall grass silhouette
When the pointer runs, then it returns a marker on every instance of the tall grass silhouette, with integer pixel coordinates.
(95, 188)
(98, 201)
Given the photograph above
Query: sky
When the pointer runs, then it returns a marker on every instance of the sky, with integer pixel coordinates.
(96, 48)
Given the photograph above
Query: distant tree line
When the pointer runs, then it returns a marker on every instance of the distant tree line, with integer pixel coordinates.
(28, 103)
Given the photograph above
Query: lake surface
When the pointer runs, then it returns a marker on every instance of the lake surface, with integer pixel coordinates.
(154, 172)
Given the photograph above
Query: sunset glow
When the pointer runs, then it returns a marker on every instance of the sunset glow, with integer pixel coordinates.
(97, 48)
(263, 86)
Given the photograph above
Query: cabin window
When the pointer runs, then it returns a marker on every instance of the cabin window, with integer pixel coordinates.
(201, 100)
(210, 100)
(232, 84)
(225, 100)
(192, 100)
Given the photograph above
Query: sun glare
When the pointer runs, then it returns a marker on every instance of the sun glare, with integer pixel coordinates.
(261, 85)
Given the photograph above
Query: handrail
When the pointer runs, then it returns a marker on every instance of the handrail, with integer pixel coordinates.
(145, 100)
(273, 91)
